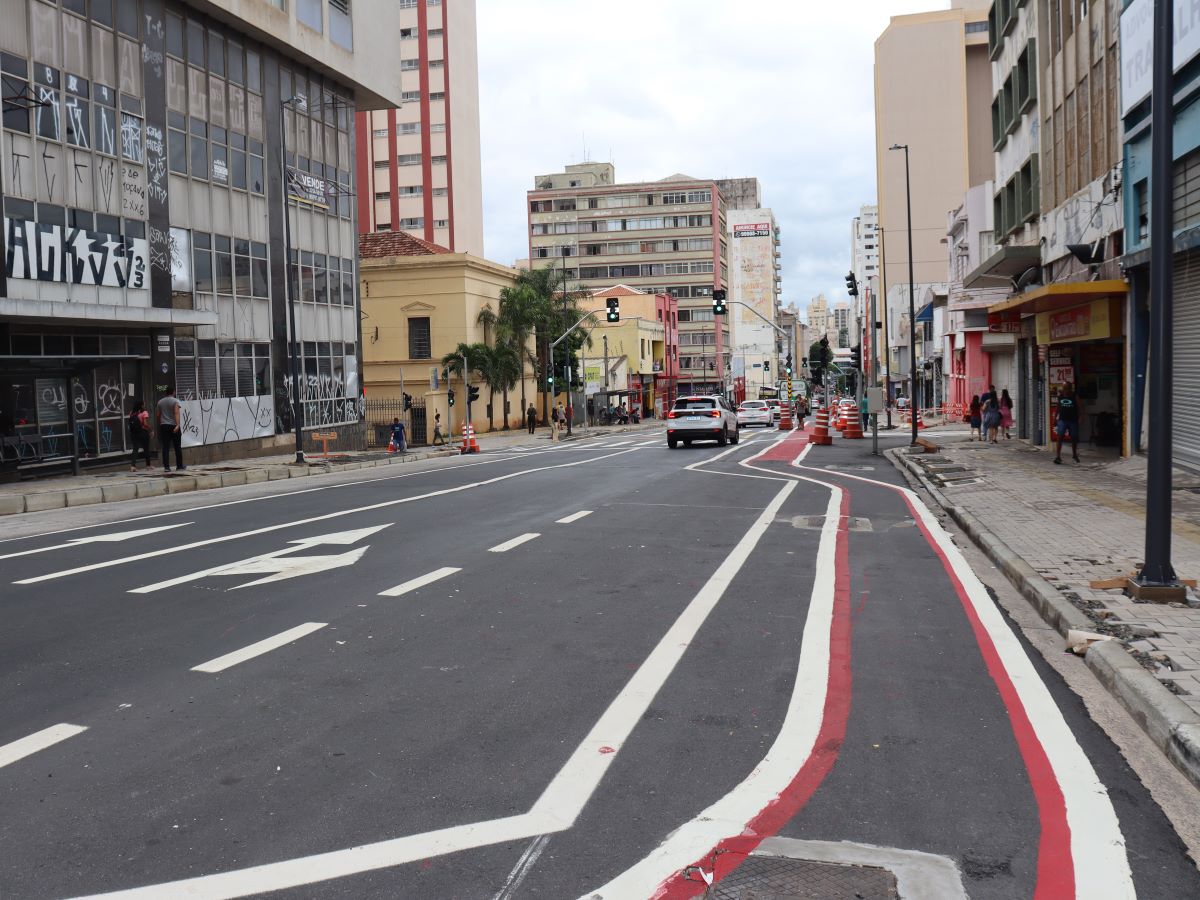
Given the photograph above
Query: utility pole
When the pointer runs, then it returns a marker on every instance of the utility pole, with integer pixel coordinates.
(1157, 580)
(912, 312)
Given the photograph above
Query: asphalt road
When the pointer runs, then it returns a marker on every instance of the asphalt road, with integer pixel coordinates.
(556, 672)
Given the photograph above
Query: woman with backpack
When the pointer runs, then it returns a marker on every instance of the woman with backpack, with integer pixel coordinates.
(139, 434)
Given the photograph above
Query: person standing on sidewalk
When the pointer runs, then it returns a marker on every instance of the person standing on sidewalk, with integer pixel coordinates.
(169, 416)
(991, 416)
(562, 417)
(1006, 414)
(437, 431)
(975, 418)
(531, 418)
(139, 435)
(398, 440)
(1067, 424)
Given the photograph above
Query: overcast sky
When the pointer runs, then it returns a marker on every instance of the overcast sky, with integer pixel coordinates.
(780, 90)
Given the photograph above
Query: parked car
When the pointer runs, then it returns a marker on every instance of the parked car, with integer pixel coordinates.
(776, 409)
(754, 412)
(701, 419)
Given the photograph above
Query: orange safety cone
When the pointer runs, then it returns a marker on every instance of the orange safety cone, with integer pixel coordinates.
(820, 434)
(473, 447)
(391, 445)
(465, 448)
(853, 427)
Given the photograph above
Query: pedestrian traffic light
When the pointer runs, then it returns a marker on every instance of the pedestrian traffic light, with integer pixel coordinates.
(719, 308)
(856, 356)
(614, 309)
(407, 402)
(851, 285)
(766, 365)
(472, 393)
(450, 396)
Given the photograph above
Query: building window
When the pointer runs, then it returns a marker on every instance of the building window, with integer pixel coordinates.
(437, 127)
(383, 226)
(441, 192)
(437, 95)
(410, 97)
(438, 160)
(381, 163)
(408, 159)
(412, 223)
(408, 34)
(411, 190)
(383, 195)
(407, 127)
(445, 223)
(379, 132)
(408, 65)
(418, 338)
(435, 32)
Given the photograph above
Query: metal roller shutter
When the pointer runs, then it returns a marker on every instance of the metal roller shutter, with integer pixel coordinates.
(1185, 425)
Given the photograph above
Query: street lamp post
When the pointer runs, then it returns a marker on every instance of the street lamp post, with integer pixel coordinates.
(912, 312)
(289, 287)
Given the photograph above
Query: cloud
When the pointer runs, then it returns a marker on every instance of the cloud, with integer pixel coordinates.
(781, 90)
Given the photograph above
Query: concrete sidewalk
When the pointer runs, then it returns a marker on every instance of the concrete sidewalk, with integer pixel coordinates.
(119, 484)
(1057, 531)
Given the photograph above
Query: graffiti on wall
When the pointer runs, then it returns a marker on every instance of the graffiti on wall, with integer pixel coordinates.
(222, 419)
(43, 252)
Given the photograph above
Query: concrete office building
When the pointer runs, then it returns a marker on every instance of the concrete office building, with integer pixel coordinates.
(144, 212)
(419, 165)
(933, 92)
(818, 318)
(665, 236)
(754, 280)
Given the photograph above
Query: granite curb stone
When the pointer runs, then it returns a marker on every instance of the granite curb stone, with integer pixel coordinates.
(1168, 721)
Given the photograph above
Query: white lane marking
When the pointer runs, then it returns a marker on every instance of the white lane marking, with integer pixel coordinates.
(97, 539)
(573, 517)
(514, 542)
(557, 808)
(1097, 844)
(39, 740)
(278, 565)
(221, 663)
(521, 869)
(322, 518)
(414, 583)
(788, 753)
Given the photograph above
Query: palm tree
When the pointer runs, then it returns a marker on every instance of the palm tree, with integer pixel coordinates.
(516, 323)
(476, 357)
(507, 368)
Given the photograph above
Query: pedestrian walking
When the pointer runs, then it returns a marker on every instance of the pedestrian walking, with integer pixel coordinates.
(531, 418)
(1067, 424)
(139, 435)
(562, 417)
(1006, 414)
(554, 418)
(398, 438)
(975, 418)
(438, 437)
(990, 409)
(168, 415)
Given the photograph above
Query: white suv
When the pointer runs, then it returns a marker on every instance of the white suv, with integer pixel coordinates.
(701, 419)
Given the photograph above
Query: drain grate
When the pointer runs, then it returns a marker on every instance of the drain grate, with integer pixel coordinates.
(779, 878)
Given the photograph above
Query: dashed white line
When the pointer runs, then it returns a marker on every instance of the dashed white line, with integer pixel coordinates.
(514, 542)
(415, 583)
(573, 517)
(39, 740)
(221, 663)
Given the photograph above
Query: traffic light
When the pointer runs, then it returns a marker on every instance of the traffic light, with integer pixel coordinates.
(856, 356)
(712, 366)
(407, 402)
(766, 365)
(851, 285)
(450, 396)
(472, 393)
(719, 308)
(614, 309)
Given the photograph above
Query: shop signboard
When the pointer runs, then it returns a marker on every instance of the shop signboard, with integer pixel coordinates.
(1007, 322)
(1087, 322)
(306, 188)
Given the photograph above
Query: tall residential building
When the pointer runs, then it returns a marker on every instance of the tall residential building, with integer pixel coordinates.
(419, 164)
(842, 325)
(663, 236)
(864, 245)
(817, 316)
(146, 247)
(933, 93)
(754, 280)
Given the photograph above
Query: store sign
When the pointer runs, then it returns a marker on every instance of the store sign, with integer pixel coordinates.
(1089, 322)
(756, 229)
(1137, 46)
(1007, 322)
(306, 188)
(43, 252)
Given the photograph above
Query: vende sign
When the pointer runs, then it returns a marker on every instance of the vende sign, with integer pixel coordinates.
(756, 229)
(1137, 46)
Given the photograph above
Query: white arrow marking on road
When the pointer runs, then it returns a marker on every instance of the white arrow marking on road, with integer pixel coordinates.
(221, 663)
(278, 564)
(97, 539)
(39, 740)
(415, 583)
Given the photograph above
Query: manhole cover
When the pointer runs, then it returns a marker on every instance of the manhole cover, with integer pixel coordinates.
(778, 878)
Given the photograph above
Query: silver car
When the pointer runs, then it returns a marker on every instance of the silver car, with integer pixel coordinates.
(754, 412)
(701, 418)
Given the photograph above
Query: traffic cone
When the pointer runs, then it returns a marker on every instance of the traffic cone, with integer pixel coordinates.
(473, 447)
(853, 427)
(391, 445)
(820, 433)
(465, 448)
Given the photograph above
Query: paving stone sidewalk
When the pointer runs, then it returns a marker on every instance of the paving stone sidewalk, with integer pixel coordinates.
(1076, 524)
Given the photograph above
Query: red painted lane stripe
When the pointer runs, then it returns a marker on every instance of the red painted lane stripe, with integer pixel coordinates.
(785, 450)
(732, 852)
(1055, 870)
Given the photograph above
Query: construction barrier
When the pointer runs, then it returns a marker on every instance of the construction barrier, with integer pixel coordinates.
(853, 427)
(469, 444)
(820, 433)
